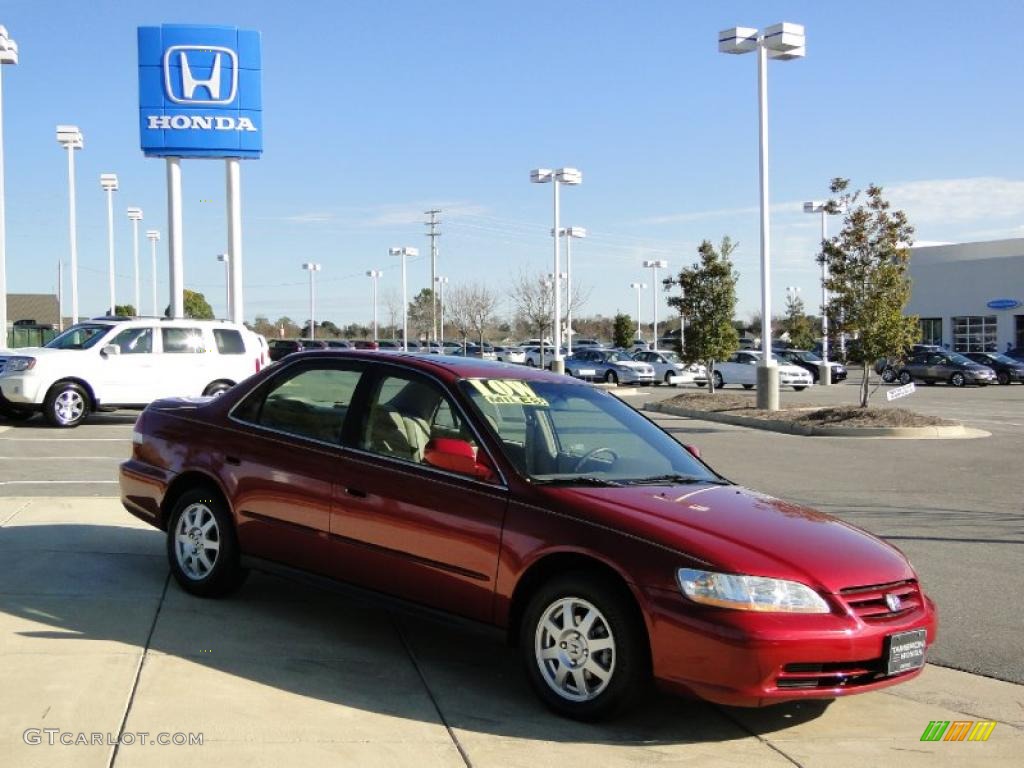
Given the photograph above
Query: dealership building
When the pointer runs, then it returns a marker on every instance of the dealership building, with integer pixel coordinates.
(969, 296)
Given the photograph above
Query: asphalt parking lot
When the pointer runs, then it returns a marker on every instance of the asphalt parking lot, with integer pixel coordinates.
(95, 637)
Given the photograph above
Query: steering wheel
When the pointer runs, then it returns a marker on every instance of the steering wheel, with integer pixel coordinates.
(591, 454)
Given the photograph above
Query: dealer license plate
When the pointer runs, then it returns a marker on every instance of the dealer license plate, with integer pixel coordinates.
(587, 372)
(906, 651)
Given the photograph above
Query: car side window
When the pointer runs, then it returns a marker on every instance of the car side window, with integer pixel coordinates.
(229, 342)
(182, 340)
(407, 412)
(134, 341)
(936, 360)
(310, 402)
(733, 358)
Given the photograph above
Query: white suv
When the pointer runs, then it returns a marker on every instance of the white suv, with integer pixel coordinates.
(107, 363)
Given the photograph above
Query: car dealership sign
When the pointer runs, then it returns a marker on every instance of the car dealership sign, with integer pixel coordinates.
(1003, 304)
(200, 91)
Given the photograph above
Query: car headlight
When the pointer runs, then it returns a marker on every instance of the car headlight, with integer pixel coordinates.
(749, 593)
(19, 364)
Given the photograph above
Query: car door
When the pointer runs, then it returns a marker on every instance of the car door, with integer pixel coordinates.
(285, 459)
(128, 376)
(404, 527)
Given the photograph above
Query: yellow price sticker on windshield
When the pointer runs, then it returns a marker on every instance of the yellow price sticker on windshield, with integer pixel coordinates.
(507, 392)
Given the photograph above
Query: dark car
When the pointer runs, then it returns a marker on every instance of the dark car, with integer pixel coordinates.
(1017, 353)
(606, 551)
(951, 367)
(365, 344)
(811, 362)
(889, 367)
(1007, 369)
(280, 348)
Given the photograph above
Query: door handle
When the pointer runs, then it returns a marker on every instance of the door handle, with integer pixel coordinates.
(359, 494)
(232, 460)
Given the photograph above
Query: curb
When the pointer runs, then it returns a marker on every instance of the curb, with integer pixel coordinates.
(803, 430)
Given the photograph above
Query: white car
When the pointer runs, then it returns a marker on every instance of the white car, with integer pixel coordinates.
(741, 368)
(670, 369)
(107, 363)
(532, 355)
(510, 355)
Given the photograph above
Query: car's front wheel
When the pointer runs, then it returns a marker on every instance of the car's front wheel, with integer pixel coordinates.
(719, 382)
(217, 388)
(958, 379)
(888, 375)
(905, 377)
(1003, 377)
(610, 377)
(201, 545)
(67, 404)
(585, 652)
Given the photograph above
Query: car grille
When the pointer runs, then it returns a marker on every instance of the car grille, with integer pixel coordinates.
(838, 674)
(868, 603)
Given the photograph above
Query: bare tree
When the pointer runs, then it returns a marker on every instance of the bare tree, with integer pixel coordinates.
(393, 305)
(458, 311)
(470, 308)
(534, 302)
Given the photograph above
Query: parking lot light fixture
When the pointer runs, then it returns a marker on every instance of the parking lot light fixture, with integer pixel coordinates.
(406, 253)
(571, 176)
(639, 288)
(782, 41)
(374, 275)
(108, 182)
(312, 268)
(8, 55)
(69, 137)
(654, 265)
(135, 216)
(154, 238)
(226, 259)
(441, 283)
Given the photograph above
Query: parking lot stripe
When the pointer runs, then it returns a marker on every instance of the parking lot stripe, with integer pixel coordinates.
(58, 482)
(65, 439)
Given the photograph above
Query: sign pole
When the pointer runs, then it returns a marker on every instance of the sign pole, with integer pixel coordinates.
(234, 185)
(174, 239)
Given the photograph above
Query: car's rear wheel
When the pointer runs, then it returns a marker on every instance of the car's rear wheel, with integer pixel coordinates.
(719, 382)
(201, 545)
(67, 404)
(888, 375)
(905, 377)
(217, 388)
(1003, 377)
(585, 652)
(611, 377)
(957, 379)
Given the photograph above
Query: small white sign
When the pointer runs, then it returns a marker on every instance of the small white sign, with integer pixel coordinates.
(587, 372)
(898, 392)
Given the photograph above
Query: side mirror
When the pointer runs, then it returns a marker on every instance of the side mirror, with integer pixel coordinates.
(110, 349)
(693, 450)
(458, 456)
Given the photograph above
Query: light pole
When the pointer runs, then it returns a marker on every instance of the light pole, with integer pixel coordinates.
(639, 288)
(135, 216)
(569, 233)
(654, 266)
(226, 259)
(374, 275)
(780, 41)
(312, 268)
(154, 237)
(405, 253)
(441, 283)
(817, 206)
(69, 137)
(559, 176)
(108, 181)
(8, 55)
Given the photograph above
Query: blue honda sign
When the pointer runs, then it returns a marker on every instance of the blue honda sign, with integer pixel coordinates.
(199, 91)
(1003, 304)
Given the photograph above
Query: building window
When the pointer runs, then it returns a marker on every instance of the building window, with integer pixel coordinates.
(931, 330)
(975, 333)
(1019, 331)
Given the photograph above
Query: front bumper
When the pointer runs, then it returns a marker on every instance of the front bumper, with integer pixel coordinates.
(740, 658)
(22, 389)
(793, 381)
(630, 376)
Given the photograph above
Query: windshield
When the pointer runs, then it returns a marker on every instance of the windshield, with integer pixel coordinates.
(959, 359)
(807, 357)
(574, 433)
(999, 357)
(618, 357)
(79, 337)
(671, 357)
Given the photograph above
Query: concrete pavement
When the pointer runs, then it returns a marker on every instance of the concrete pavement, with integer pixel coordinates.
(94, 637)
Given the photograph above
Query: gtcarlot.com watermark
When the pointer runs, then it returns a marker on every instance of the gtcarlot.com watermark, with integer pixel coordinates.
(54, 736)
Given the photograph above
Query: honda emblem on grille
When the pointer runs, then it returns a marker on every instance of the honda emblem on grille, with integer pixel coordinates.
(893, 601)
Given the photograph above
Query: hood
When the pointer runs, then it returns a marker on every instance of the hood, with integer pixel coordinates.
(737, 530)
(28, 352)
(793, 370)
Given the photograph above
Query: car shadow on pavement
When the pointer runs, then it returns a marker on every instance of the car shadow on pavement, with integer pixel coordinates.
(86, 589)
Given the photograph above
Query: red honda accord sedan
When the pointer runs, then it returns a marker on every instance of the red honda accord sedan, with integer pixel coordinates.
(608, 552)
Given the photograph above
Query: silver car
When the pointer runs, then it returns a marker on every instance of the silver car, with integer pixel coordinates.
(608, 365)
(670, 369)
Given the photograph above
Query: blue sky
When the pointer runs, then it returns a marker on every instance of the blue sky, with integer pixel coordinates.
(377, 111)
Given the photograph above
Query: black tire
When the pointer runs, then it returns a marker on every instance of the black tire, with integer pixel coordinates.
(748, 386)
(799, 389)
(530, 363)
(610, 377)
(218, 388)
(905, 377)
(1003, 378)
(717, 380)
(958, 379)
(888, 374)
(67, 404)
(16, 413)
(631, 653)
(701, 383)
(225, 575)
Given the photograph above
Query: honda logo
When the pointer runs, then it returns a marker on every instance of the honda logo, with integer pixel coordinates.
(185, 85)
(893, 601)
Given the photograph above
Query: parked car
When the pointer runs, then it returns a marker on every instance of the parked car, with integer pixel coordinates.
(609, 365)
(510, 355)
(281, 348)
(365, 344)
(1008, 369)
(671, 370)
(889, 367)
(811, 363)
(308, 344)
(741, 368)
(951, 367)
(1017, 353)
(533, 356)
(109, 363)
(607, 552)
(578, 344)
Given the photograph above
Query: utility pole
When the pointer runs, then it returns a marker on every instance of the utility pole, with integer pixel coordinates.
(433, 234)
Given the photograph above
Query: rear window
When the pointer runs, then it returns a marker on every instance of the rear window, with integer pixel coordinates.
(229, 342)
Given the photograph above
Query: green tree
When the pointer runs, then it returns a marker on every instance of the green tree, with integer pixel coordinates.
(867, 281)
(124, 310)
(420, 317)
(623, 330)
(196, 306)
(708, 304)
(797, 324)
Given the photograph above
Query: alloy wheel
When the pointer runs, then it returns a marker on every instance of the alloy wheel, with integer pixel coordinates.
(957, 380)
(197, 541)
(575, 649)
(69, 406)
